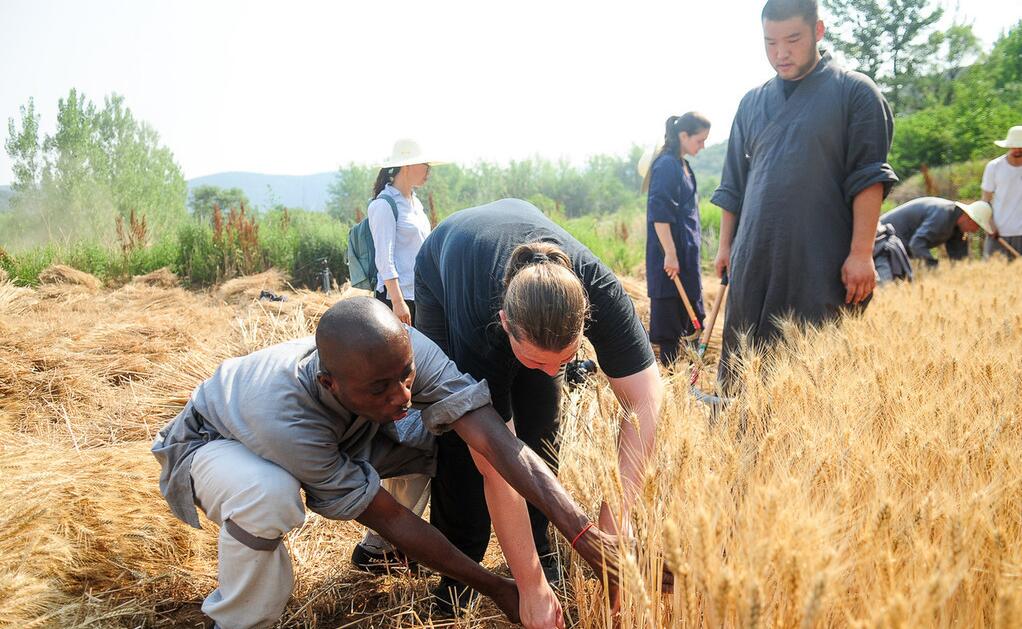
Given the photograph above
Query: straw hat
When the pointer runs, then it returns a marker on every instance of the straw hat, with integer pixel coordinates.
(646, 160)
(981, 212)
(1013, 141)
(407, 152)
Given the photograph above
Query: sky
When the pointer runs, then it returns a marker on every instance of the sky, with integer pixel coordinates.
(303, 87)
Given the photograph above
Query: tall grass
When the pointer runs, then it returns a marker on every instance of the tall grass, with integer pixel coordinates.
(200, 253)
(619, 239)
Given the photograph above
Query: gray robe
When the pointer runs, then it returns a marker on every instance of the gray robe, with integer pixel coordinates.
(793, 168)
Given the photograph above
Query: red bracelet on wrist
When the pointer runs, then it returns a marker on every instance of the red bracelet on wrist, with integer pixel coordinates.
(580, 534)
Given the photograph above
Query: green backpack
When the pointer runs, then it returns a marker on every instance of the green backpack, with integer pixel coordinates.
(362, 252)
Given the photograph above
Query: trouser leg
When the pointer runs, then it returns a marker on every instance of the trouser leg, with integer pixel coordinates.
(667, 324)
(991, 246)
(457, 500)
(411, 491)
(536, 408)
(256, 503)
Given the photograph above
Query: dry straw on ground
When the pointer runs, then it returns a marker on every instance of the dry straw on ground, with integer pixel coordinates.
(869, 476)
(162, 278)
(62, 274)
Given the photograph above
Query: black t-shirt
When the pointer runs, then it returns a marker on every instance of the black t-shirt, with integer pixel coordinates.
(460, 271)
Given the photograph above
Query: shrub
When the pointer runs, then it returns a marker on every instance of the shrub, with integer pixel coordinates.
(197, 254)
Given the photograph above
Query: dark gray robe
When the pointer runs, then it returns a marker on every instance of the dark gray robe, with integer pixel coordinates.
(792, 170)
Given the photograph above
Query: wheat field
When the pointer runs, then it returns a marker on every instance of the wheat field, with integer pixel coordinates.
(869, 475)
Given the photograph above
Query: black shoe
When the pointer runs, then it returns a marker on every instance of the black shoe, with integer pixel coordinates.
(386, 562)
(451, 595)
(553, 569)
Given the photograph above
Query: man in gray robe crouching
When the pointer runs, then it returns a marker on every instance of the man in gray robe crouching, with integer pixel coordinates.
(330, 415)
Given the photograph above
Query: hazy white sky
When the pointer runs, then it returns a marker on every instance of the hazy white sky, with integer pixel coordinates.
(302, 87)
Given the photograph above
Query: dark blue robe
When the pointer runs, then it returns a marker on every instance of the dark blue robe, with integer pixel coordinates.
(793, 168)
(672, 200)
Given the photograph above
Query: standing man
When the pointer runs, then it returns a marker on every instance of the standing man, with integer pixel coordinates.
(1002, 188)
(929, 222)
(805, 173)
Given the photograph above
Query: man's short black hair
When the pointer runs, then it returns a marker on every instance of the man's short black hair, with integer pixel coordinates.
(780, 10)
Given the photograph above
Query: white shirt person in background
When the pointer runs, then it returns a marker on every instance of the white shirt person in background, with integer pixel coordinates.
(1002, 188)
(397, 241)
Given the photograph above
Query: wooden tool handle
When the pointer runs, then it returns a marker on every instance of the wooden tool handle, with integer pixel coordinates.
(1004, 243)
(712, 319)
(688, 304)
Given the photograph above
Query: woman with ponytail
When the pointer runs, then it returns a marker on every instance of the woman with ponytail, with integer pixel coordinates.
(673, 235)
(399, 226)
(508, 295)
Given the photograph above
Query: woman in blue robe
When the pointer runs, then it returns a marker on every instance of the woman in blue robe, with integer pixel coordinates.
(673, 235)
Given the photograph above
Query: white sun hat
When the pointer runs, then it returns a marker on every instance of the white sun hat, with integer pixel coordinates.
(646, 159)
(981, 212)
(407, 152)
(644, 163)
(1013, 141)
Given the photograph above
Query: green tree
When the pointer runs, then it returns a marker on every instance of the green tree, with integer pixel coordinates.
(887, 39)
(985, 100)
(23, 148)
(140, 174)
(202, 199)
(97, 165)
(351, 191)
(1003, 67)
(942, 61)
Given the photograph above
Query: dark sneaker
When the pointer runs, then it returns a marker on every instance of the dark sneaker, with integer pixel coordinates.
(393, 562)
(451, 595)
(553, 569)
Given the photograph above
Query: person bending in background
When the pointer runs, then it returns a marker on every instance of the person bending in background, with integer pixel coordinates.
(673, 235)
(508, 295)
(929, 222)
(804, 176)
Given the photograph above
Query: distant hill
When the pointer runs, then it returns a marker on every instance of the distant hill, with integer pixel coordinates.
(308, 192)
(5, 198)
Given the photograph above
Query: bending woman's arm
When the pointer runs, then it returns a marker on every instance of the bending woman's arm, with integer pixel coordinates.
(486, 434)
(537, 604)
(641, 394)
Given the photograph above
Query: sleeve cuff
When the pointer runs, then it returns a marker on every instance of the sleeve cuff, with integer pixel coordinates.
(866, 176)
(351, 504)
(439, 416)
(726, 200)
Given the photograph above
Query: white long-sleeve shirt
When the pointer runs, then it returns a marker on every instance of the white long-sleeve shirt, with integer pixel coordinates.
(398, 243)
